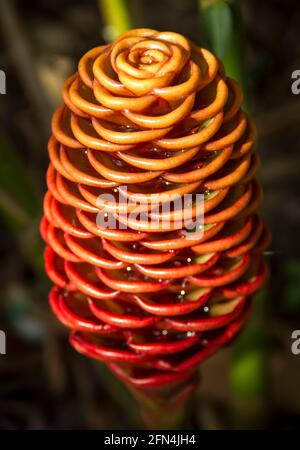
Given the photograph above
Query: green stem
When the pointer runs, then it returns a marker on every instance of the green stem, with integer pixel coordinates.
(166, 408)
(116, 16)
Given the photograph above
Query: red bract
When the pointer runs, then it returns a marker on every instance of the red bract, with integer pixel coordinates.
(156, 114)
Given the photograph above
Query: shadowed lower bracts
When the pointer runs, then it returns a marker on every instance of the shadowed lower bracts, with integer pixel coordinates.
(146, 118)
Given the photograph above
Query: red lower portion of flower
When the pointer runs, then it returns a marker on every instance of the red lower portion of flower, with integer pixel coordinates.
(158, 337)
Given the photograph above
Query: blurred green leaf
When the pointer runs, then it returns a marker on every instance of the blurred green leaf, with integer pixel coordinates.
(245, 374)
(116, 16)
(222, 33)
(217, 26)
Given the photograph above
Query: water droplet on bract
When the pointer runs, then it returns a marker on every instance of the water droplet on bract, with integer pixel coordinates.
(182, 292)
(190, 333)
(206, 309)
(128, 269)
(189, 260)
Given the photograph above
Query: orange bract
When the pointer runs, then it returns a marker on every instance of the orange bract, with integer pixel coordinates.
(155, 114)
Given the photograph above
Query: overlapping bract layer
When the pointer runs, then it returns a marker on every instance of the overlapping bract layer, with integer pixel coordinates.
(156, 114)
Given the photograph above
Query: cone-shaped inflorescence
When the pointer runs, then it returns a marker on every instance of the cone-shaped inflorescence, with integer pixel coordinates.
(146, 121)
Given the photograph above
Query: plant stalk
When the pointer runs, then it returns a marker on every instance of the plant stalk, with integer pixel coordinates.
(116, 17)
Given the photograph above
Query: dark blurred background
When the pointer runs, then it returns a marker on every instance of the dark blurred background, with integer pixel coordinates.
(43, 382)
